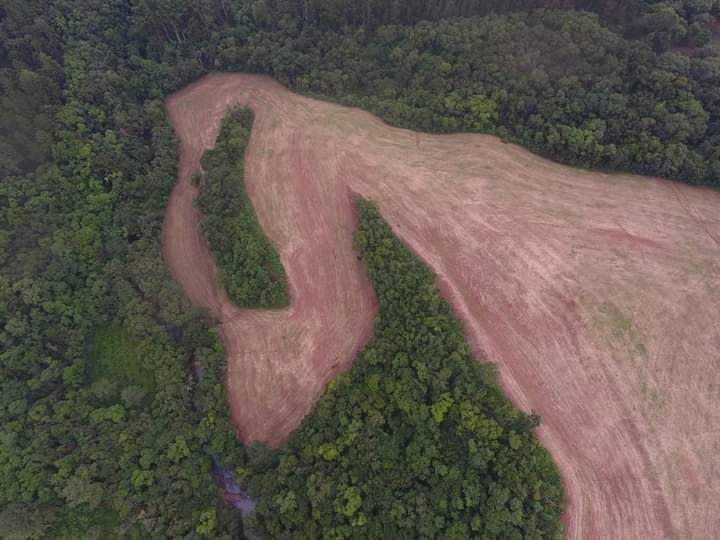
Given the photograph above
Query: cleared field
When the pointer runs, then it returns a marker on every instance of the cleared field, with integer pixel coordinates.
(598, 296)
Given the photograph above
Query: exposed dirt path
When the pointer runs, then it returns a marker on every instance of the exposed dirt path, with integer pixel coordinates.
(597, 295)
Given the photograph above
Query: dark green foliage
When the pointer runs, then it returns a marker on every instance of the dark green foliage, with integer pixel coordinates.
(662, 24)
(416, 441)
(30, 84)
(558, 83)
(372, 13)
(250, 268)
(80, 251)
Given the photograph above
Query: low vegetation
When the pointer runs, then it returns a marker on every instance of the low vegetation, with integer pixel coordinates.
(250, 269)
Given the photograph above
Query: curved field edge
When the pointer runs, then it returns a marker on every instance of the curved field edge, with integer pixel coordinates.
(415, 410)
(561, 90)
(416, 440)
(532, 256)
(249, 267)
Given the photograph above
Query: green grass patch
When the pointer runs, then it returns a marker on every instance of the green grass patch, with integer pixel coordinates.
(117, 358)
(250, 268)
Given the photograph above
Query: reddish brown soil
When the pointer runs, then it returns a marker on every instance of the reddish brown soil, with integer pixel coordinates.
(598, 296)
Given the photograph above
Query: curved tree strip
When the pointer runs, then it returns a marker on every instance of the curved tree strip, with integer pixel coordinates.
(596, 295)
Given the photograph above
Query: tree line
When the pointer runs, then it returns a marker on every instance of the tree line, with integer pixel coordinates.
(557, 82)
(561, 83)
(250, 268)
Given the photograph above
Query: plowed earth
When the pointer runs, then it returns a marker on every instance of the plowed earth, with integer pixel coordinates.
(598, 296)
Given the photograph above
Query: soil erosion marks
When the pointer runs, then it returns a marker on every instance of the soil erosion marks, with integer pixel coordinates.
(597, 296)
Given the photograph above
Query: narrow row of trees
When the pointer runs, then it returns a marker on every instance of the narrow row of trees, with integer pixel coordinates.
(250, 269)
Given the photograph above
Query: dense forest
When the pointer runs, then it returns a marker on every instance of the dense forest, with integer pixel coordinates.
(112, 406)
(557, 82)
(250, 269)
(664, 23)
(641, 96)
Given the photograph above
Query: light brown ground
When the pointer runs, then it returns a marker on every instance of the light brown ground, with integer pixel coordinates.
(597, 296)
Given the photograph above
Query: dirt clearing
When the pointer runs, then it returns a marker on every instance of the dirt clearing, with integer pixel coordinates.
(598, 296)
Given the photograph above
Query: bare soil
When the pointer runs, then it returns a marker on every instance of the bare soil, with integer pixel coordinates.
(598, 296)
